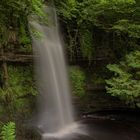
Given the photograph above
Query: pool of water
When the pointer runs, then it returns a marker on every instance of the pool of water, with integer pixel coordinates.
(113, 130)
(105, 126)
(112, 127)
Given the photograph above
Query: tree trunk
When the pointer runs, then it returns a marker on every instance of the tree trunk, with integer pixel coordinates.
(4, 69)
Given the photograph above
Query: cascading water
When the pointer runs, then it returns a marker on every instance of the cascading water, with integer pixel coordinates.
(56, 118)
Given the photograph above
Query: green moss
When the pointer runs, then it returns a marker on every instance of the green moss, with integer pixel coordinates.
(77, 77)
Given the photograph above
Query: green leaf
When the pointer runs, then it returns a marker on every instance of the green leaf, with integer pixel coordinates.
(8, 131)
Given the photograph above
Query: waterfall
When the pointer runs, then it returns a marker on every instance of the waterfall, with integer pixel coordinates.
(55, 117)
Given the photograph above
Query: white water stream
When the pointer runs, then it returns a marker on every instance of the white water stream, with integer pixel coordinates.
(56, 117)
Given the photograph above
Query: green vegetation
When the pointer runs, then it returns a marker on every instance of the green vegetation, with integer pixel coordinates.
(105, 29)
(101, 38)
(125, 82)
(14, 22)
(20, 86)
(93, 24)
(8, 131)
(77, 77)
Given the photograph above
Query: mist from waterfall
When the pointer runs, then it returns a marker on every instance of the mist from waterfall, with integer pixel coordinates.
(55, 117)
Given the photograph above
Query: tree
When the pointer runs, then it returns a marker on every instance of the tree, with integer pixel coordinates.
(95, 23)
(125, 82)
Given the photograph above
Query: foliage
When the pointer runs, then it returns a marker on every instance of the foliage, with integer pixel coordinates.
(125, 82)
(68, 9)
(20, 86)
(83, 19)
(78, 33)
(125, 26)
(77, 77)
(86, 42)
(8, 131)
(14, 20)
(88, 25)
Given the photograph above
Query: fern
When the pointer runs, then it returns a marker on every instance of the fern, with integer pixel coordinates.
(8, 131)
